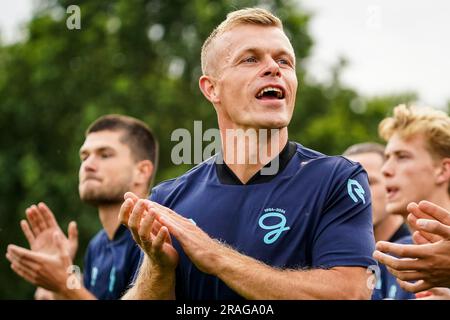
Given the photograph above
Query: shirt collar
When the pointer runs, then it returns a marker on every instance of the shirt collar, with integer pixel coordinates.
(226, 176)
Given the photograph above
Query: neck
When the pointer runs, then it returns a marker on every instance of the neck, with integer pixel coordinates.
(108, 214)
(246, 154)
(386, 228)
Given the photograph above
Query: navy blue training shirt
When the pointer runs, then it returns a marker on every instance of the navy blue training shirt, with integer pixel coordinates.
(314, 213)
(110, 264)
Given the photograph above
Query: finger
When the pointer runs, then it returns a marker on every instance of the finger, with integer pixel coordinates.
(72, 231)
(31, 213)
(427, 297)
(9, 256)
(168, 238)
(174, 228)
(432, 238)
(395, 263)
(162, 209)
(406, 275)
(27, 232)
(411, 220)
(423, 294)
(439, 293)
(47, 215)
(424, 237)
(58, 240)
(131, 195)
(145, 230)
(414, 287)
(403, 250)
(434, 227)
(22, 262)
(169, 212)
(156, 227)
(435, 211)
(135, 219)
(414, 209)
(24, 273)
(40, 219)
(419, 239)
(125, 211)
(158, 242)
(415, 214)
(24, 254)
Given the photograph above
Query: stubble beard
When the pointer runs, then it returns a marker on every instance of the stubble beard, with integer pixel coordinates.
(101, 196)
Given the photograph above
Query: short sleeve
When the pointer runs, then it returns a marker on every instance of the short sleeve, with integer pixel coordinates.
(344, 234)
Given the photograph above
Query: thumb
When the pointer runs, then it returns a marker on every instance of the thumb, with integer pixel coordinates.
(72, 231)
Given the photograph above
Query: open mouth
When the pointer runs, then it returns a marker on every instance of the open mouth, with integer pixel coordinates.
(269, 93)
(391, 192)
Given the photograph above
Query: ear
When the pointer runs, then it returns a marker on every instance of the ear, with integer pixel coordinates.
(143, 172)
(208, 87)
(443, 173)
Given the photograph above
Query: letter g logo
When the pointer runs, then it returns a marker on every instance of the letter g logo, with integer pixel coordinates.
(278, 228)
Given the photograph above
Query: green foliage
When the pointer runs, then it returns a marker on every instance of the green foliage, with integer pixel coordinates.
(140, 58)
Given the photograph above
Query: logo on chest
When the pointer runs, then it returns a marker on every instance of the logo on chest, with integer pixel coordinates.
(274, 220)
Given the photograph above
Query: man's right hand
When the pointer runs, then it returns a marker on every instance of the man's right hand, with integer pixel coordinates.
(148, 233)
(49, 271)
(41, 227)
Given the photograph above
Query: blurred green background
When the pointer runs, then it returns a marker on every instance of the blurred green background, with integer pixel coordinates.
(140, 58)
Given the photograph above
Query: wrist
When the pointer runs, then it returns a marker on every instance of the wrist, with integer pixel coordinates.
(71, 287)
(222, 260)
(162, 273)
(154, 282)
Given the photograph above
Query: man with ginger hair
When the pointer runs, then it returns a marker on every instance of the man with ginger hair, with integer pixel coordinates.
(227, 230)
(417, 172)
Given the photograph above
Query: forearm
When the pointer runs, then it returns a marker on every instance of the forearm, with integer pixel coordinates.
(255, 280)
(152, 284)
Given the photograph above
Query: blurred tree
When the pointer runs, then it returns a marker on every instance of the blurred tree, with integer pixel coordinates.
(330, 117)
(140, 58)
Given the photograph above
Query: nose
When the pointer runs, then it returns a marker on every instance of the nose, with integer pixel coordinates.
(272, 68)
(388, 168)
(89, 164)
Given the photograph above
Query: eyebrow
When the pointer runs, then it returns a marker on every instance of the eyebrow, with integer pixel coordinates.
(396, 152)
(279, 52)
(97, 149)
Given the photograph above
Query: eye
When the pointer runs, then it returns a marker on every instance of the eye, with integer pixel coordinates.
(249, 59)
(105, 155)
(402, 156)
(285, 62)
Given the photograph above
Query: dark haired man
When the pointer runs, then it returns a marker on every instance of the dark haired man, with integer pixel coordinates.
(118, 155)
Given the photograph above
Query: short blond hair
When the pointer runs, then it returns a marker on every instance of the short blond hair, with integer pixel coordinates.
(432, 123)
(410, 120)
(255, 16)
